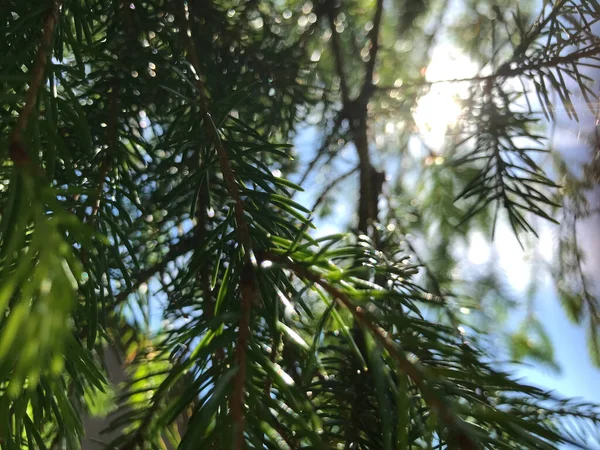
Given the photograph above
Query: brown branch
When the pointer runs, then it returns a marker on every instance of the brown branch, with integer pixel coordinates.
(371, 180)
(17, 151)
(336, 47)
(355, 110)
(413, 371)
(248, 294)
(374, 39)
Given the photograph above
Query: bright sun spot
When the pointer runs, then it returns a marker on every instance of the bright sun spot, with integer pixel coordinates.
(439, 109)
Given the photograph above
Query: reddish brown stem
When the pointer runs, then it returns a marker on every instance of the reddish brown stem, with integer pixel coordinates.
(247, 283)
(112, 141)
(248, 293)
(17, 151)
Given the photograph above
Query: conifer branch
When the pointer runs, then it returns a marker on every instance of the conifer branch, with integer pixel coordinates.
(537, 28)
(211, 130)
(505, 71)
(374, 40)
(414, 372)
(248, 289)
(336, 48)
(17, 151)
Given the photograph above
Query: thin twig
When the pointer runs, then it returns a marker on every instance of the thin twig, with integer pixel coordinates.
(177, 250)
(503, 72)
(322, 150)
(17, 151)
(112, 141)
(537, 28)
(333, 184)
(414, 372)
(105, 165)
(593, 50)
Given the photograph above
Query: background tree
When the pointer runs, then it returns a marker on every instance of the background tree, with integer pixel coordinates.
(146, 165)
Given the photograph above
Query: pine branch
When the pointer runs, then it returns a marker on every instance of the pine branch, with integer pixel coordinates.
(211, 129)
(336, 48)
(247, 282)
(537, 29)
(17, 151)
(504, 71)
(374, 39)
(593, 50)
(414, 372)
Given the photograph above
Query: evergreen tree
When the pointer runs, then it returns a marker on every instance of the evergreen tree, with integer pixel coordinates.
(146, 167)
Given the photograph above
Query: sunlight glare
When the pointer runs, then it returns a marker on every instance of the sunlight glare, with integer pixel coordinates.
(439, 108)
(479, 249)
